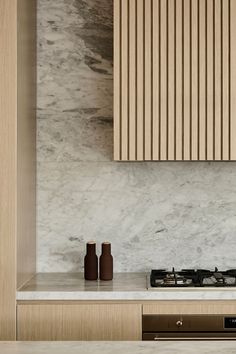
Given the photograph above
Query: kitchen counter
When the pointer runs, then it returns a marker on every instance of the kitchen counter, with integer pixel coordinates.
(190, 347)
(125, 286)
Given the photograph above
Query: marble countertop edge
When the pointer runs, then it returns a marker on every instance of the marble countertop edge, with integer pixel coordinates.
(125, 286)
(135, 347)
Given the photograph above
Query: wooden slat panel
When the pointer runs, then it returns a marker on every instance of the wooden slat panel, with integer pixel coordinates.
(217, 81)
(140, 79)
(202, 79)
(124, 79)
(210, 79)
(171, 79)
(132, 80)
(117, 72)
(232, 68)
(194, 80)
(179, 79)
(148, 80)
(186, 73)
(163, 81)
(225, 80)
(156, 82)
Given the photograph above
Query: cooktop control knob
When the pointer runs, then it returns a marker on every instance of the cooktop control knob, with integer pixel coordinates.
(179, 323)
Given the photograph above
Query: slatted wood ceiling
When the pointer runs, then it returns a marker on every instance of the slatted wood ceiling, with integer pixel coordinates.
(174, 80)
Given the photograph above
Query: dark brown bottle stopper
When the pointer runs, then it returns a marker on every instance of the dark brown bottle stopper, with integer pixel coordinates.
(106, 262)
(91, 262)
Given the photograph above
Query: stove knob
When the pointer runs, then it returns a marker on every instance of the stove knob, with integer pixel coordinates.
(179, 323)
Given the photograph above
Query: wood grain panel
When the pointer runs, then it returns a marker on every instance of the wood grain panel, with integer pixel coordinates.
(202, 80)
(225, 82)
(190, 307)
(8, 170)
(124, 79)
(232, 76)
(26, 141)
(163, 81)
(179, 79)
(194, 81)
(117, 79)
(217, 80)
(171, 79)
(186, 79)
(140, 80)
(79, 322)
(17, 154)
(209, 78)
(183, 83)
(155, 80)
(132, 80)
(148, 80)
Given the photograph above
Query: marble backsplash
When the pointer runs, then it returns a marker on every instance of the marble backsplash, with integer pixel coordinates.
(155, 214)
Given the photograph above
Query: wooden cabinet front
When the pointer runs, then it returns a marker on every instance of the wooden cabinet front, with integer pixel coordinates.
(47, 322)
(174, 80)
(190, 307)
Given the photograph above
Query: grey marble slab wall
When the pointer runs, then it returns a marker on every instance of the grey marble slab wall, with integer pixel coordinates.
(155, 214)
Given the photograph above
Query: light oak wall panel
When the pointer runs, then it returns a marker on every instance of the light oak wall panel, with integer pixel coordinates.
(79, 322)
(26, 141)
(177, 97)
(17, 154)
(8, 170)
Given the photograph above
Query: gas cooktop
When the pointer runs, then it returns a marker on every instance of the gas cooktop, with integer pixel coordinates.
(192, 278)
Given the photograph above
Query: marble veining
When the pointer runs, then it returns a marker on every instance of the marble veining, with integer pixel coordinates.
(155, 214)
(125, 286)
(189, 347)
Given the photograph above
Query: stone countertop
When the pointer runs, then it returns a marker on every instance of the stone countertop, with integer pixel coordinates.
(125, 286)
(188, 347)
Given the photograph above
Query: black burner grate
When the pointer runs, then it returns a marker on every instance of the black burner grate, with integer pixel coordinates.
(193, 278)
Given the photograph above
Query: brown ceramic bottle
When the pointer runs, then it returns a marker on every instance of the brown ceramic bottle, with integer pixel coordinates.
(106, 262)
(91, 262)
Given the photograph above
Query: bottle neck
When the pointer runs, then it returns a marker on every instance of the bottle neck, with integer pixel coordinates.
(91, 248)
(106, 248)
